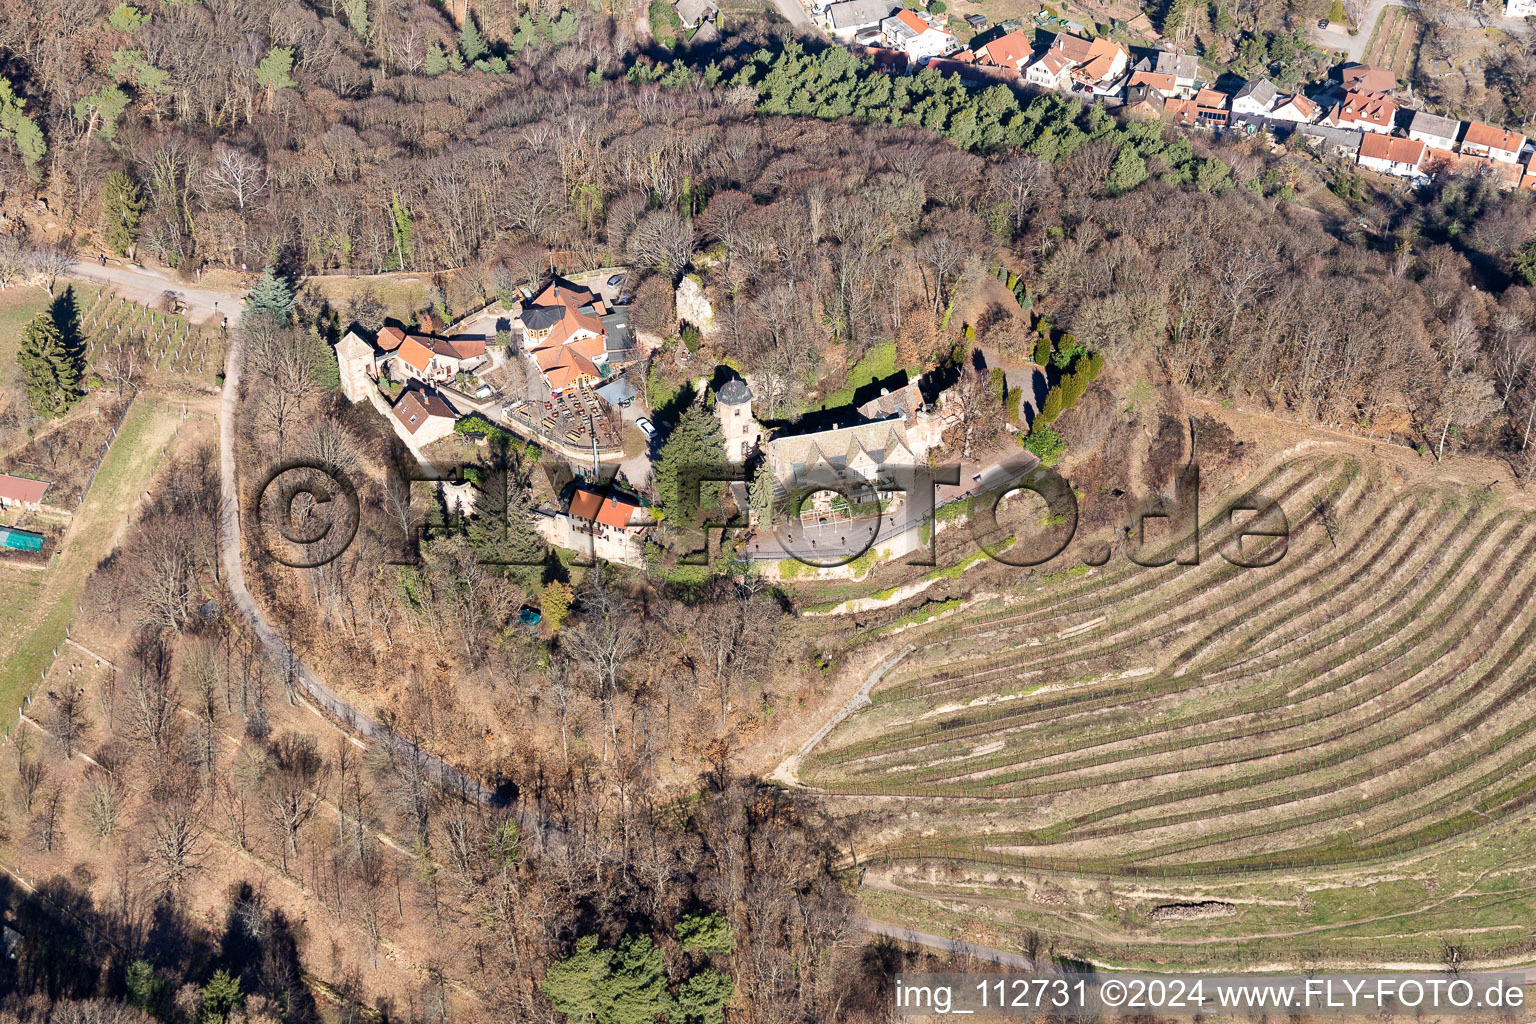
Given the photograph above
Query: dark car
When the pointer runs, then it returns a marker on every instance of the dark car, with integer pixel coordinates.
(615, 280)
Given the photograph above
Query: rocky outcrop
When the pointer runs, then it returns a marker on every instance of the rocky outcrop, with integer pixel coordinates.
(693, 305)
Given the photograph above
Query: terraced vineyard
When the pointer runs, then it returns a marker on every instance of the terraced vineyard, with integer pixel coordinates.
(1362, 709)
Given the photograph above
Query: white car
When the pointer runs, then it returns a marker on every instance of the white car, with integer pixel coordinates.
(646, 428)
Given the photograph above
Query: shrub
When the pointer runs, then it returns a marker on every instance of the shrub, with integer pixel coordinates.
(1051, 408)
(1042, 356)
(1045, 444)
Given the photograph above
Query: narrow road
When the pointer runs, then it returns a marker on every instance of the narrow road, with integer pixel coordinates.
(788, 771)
(449, 777)
(945, 944)
(144, 286)
(1354, 46)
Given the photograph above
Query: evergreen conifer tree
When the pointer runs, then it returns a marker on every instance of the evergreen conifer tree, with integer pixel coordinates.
(696, 444)
(271, 296)
(124, 204)
(50, 370)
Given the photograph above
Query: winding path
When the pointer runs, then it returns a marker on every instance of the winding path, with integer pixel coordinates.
(447, 776)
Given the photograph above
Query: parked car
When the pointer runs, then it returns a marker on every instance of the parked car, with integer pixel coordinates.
(646, 428)
(615, 280)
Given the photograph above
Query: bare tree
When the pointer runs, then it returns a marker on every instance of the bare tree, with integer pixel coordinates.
(173, 837)
(46, 825)
(294, 786)
(601, 644)
(152, 703)
(69, 721)
(663, 240)
(51, 262)
(1467, 399)
(234, 177)
(102, 804)
(31, 773)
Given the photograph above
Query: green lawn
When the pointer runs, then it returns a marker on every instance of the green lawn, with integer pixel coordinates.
(877, 364)
(17, 306)
(36, 612)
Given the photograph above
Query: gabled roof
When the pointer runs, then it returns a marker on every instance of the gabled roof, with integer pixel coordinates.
(19, 488)
(1367, 78)
(1054, 62)
(1071, 47)
(390, 338)
(1433, 124)
(913, 22)
(604, 509)
(1367, 108)
(1211, 99)
(418, 349)
(1480, 134)
(417, 405)
(1180, 111)
(1305, 107)
(691, 12)
(1386, 147)
(1151, 79)
(1012, 50)
(1260, 90)
(855, 13)
(1180, 65)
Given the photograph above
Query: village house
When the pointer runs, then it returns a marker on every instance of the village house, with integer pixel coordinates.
(1145, 101)
(1386, 154)
(421, 416)
(847, 19)
(1367, 79)
(1433, 130)
(1296, 109)
(1096, 65)
(693, 13)
(19, 492)
(1495, 143)
(907, 32)
(1010, 51)
(573, 337)
(1255, 97)
(1332, 141)
(1162, 85)
(611, 527)
(1051, 71)
(1363, 112)
(1183, 67)
(430, 359)
(1211, 108)
(1181, 112)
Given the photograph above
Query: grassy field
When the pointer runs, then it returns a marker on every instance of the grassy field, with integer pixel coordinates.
(36, 608)
(1366, 707)
(17, 306)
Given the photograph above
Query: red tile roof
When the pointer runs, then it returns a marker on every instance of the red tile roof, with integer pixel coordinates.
(390, 338)
(1375, 110)
(913, 22)
(608, 511)
(1211, 99)
(1162, 83)
(19, 488)
(1368, 78)
(1385, 147)
(1480, 134)
(1012, 50)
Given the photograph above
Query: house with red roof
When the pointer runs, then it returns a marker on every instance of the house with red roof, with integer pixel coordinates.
(1363, 112)
(919, 39)
(1492, 142)
(1098, 64)
(573, 337)
(19, 492)
(1295, 108)
(1011, 51)
(1386, 154)
(430, 359)
(599, 524)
